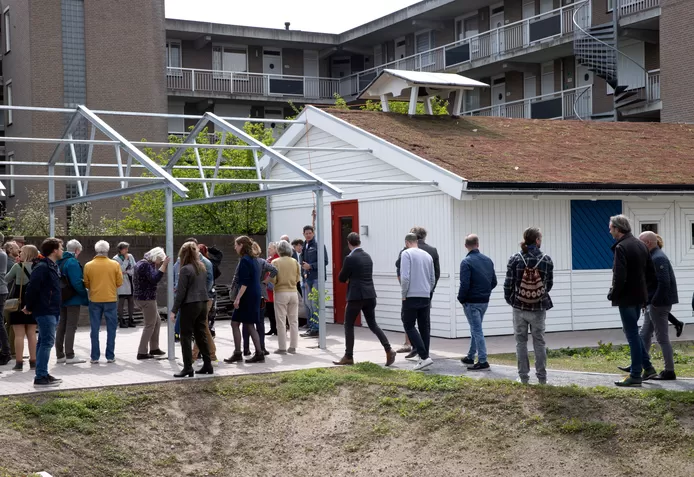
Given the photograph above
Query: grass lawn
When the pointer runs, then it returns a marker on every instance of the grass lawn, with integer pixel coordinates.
(362, 420)
(606, 357)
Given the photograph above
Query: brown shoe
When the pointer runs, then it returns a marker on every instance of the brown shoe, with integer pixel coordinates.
(390, 357)
(345, 361)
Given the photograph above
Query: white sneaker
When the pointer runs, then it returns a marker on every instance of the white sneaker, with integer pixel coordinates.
(60, 360)
(215, 363)
(94, 361)
(111, 360)
(75, 360)
(519, 380)
(423, 363)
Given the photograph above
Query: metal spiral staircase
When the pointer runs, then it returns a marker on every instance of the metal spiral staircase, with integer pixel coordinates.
(596, 48)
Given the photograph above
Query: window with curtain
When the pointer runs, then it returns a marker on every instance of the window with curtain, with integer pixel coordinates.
(173, 57)
(229, 59)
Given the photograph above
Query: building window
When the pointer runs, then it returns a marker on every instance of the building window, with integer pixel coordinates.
(8, 101)
(10, 171)
(610, 5)
(173, 56)
(649, 227)
(226, 58)
(590, 236)
(6, 24)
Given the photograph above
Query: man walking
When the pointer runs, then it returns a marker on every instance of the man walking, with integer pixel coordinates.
(74, 297)
(421, 234)
(417, 282)
(632, 273)
(477, 280)
(529, 279)
(309, 267)
(42, 299)
(5, 352)
(357, 272)
(102, 277)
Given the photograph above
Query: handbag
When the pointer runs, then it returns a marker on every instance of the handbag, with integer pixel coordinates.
(13, 304)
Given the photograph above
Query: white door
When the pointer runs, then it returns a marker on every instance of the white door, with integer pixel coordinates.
(423, 44)
(311, 81)
(378, 55)
(400, 48)
(497, 23)
(471, 27)
(498, 97)
(272, 62)
(584, 100)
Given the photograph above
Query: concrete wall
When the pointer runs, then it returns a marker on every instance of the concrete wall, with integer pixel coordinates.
(255, 59)
(651, 56)
(676, 61)
(602, 102)
(447, 35)
(599, 13)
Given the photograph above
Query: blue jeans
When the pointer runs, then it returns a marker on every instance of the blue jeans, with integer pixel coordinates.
(177, 326)
(110, 311)
(639, 354)
(47, 325)
(475, 314)
(312, 321)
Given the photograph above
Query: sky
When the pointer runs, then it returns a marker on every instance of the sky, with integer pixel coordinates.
(326, 16)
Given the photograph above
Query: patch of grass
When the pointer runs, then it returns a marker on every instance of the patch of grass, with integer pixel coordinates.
(597, 430)
(605, 357)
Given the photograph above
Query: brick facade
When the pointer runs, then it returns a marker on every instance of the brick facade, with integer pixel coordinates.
(676, 61)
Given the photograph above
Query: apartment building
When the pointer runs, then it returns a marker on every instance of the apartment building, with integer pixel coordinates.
(582, 59)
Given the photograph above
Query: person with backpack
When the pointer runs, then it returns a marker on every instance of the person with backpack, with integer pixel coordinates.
(529, 279)
(22, 324)
(74, 295)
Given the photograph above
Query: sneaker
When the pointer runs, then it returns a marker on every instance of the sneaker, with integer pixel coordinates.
(215, 363)
(522, 381)
(310, 334)
(404, 349)
(280, 351)
(75, 360)
(94, 361)
(423, 363)
(626, 369)
(291, 350)
(649, 373)
(44, 382)
(19, 366)
(61, 360)
(478, 366)
(55, 380)
(141, 356)
(412, 354)
(467, 360)
(542, 381)
(665, 376)
(629, 382)
(112, 360)
(679, 327)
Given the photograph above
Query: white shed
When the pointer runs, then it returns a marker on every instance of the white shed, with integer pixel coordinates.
(494, 177)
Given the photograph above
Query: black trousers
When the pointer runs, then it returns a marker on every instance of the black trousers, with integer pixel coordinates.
(193, 323)
(368, 308)
(417, 311)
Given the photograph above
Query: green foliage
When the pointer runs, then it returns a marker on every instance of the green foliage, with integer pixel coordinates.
(313, 296)
(340, 103)
(439, 106)
(145, 213)
(30, 218)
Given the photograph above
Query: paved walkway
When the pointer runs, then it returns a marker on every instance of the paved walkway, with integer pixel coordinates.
(127, 370)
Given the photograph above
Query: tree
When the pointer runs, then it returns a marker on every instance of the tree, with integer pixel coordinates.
(145, 213)
(31, 217)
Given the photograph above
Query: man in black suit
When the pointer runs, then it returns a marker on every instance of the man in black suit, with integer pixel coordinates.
(357, 272)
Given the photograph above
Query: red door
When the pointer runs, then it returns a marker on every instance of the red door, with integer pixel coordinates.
(345, 219)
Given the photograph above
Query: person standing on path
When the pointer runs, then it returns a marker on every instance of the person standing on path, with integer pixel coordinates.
(417, 281)
(42, 300)
(70, 308)
(421, 234)
(357, 272)
(286, 298)
(477, 280)
(632, 273)
(23, 324)
(309, 266)
(148, 272)
(272, 255)
(12, 250)
(5, 352)
(102, 277)
(529, 279)
(125, 291)
(662, 294)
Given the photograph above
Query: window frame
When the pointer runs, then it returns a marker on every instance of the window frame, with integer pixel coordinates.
(9, 102)
(609, 5)
(9, 170)
(7, 25)
(178, 43)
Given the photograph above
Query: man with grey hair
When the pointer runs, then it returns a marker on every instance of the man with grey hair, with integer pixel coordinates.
(662, 294)
(417, 282)
(632, 273)
(5, 352)
(102, 277)
(74, 296)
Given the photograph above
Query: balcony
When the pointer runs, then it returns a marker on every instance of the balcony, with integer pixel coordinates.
(576, 103)
(653, 85)
(631, 7)
(494, 45)
(187, 81)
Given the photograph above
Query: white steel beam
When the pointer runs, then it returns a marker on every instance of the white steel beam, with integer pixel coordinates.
(72, 124)
(109, 194)
(248, 195)
(119, 160)
(189, 141)
(73, 154)
(90, 153)
(202, 172)
(220, 155)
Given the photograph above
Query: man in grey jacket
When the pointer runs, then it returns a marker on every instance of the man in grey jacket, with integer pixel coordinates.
(5, 354)
(417, 281)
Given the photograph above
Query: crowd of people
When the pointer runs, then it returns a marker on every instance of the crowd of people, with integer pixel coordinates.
(45, 288)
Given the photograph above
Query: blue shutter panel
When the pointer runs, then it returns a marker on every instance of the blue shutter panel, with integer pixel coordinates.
(590, 235)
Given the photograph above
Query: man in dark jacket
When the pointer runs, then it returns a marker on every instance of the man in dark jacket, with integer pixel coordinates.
(309, 271)
(42, 299)
(477, 280)
(631, 273)
(357, 272)
(421, 234)
(662, 294)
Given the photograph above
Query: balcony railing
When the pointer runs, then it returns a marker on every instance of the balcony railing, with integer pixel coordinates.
(568, 104)
(653, 85)
(230, 82)
(629, 7)
(490, 44)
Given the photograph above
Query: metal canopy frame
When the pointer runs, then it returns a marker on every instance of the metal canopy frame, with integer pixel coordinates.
(162, 177)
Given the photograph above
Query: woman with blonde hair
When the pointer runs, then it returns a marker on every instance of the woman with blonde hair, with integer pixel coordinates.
(191, 299)
(679, 325)
(23, 324)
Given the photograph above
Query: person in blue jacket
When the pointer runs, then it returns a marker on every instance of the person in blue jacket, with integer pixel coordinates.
(70, 308)
(309, 272)
(477, 280)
